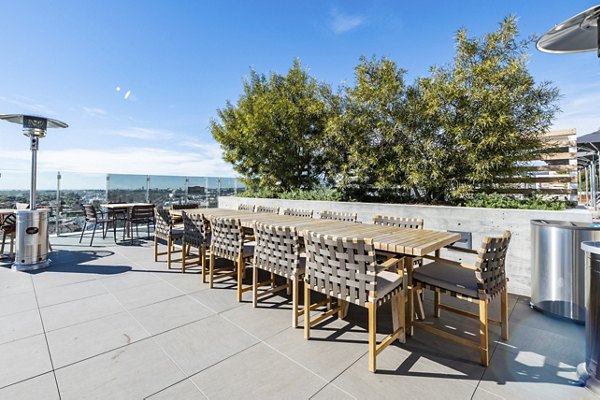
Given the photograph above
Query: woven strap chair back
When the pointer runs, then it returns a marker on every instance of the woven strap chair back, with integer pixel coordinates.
(277, 249)
(246, 207)
(298, 213)
(142, 213)
(227, 238)
(341, 267)
(490, 263)
(187, 206)
(163, 223)
(9, 224)
(399, 222)
(338, 216)
(194, 229)
(267, 209)
(90, 211)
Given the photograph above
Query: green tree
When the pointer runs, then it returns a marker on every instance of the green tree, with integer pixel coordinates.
(368, 129)
(472, 123)
(274, 135)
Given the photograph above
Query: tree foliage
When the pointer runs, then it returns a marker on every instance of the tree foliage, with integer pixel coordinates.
(463, 128)
(476, 120)
(273, 136)
(368, 130)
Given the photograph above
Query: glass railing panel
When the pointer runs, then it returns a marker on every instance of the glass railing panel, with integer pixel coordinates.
(14, 187)
(124, 188)
(76, 189)
(198, 191)
(167, 190)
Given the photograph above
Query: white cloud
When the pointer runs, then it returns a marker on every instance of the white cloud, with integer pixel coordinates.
(94, 111)
(205, 147)
(143, 133)
(28, 106)
(127, 160)
(579, 109)
(342, 23)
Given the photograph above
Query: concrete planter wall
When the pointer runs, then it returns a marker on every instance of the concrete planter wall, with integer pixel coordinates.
(478, 221)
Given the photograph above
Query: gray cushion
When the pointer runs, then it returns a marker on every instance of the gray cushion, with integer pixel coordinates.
(449, 277)
(386, 282)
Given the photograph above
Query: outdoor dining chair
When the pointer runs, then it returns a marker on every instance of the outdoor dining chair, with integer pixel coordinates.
(338, 216)
(196, 234)
(227, 243)
(267, 209)
(298, 213)
(407, 223)
(346, 269)
(399, 222)
(95, 217)
(246, 207)
(8, 227)
(164, 230)
(140, 215)
(118, 214)
(277, 251)
(478, 284)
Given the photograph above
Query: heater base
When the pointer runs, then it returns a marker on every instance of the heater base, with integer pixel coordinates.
(31, 267)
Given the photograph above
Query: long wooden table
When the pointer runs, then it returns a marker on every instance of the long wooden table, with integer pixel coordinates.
(402, 241)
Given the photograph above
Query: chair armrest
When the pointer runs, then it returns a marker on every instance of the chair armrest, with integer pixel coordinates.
(462, 249)
(450, 262)
(392, 264)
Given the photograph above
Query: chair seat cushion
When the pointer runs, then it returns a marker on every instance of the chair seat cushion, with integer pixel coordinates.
(248, 251)
(448, 277)
(387, 281)
(177, 233)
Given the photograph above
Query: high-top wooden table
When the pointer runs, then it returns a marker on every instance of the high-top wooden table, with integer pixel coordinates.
(116, 207)
(402, 241)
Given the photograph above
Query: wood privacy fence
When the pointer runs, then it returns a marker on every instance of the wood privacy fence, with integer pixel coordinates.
(555, 174)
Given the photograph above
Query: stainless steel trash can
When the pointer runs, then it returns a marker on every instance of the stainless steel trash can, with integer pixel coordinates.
(591, 370)
(31, 240)
(558, 266)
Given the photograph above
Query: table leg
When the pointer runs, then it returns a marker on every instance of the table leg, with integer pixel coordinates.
(410, 315)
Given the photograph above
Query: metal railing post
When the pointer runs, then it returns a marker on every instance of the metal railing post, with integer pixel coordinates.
(107, 187)
(206, 197)
(58, 204)
(187, 188)
(147, 188)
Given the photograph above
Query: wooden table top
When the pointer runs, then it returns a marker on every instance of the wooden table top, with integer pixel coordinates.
(7, 211)
(416, 242)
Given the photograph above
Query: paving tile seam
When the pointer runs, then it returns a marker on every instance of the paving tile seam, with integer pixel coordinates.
(275, 349)
(157, 344)
(43, 287)
(150, 336)
(332, 382)
(82, 322)
(69, 301)
(488, 392)
(45, 338)
(496, 346)
(22, 337)
(327, 382)
(170, 386)
(26, 379)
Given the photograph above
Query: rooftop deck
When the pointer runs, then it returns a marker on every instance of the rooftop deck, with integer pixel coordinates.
(107, 322)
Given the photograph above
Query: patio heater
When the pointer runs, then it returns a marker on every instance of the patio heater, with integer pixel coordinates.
(32, 224)
(578, 34)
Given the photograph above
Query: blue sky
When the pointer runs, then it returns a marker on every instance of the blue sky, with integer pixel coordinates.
(139, 81)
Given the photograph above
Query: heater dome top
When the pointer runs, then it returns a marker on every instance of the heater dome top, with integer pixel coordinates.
(33, 121)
